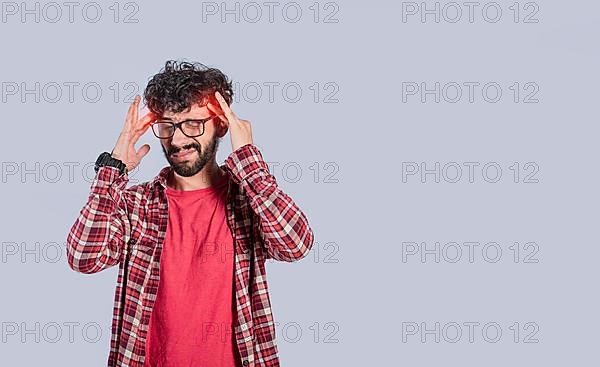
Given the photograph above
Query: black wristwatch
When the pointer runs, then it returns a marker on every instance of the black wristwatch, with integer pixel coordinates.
(106, 159)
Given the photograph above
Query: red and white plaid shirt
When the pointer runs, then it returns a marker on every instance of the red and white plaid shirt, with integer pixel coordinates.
(127, 226)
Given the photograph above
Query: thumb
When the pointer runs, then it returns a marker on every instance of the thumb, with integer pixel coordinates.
(143, 151)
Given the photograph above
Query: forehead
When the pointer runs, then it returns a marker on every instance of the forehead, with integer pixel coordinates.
(195, 112)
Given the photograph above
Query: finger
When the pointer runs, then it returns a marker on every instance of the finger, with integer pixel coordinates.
(216, 111)
(143, 110)
(139, 132)
(225, 107)
(147, 119)
(143, 151)
(132, 115)
(127, 125)
(136, 103)
(213, 106)
(143, 125)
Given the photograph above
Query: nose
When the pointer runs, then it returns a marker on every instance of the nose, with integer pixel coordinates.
(179, 139)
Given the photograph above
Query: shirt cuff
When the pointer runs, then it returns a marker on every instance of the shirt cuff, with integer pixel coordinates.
(109, 181)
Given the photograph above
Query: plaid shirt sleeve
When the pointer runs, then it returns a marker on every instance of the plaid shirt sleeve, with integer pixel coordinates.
(97, 237)
(284, 228)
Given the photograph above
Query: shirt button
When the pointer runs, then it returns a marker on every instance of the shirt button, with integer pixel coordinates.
(245, 363)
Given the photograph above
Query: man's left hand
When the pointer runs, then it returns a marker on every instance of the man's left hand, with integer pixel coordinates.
(240, 130)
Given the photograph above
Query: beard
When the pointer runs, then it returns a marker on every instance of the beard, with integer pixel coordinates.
(192, 166)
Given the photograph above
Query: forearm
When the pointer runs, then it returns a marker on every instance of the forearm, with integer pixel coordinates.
(284, 228)
(96, 239)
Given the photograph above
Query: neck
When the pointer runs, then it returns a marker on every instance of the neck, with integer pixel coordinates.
(207, 177)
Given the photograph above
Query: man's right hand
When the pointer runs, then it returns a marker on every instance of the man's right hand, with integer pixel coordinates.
(133, 129)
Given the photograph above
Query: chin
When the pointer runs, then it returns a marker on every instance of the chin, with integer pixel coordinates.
(187, 169)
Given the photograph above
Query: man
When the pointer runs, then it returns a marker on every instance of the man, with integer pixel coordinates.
(191, 244)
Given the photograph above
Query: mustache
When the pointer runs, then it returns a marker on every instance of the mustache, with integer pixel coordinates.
(173, 150)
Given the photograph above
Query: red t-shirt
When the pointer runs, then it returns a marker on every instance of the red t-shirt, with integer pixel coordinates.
(192, 320)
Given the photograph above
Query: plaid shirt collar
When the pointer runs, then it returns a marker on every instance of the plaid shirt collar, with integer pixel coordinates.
(161, 178)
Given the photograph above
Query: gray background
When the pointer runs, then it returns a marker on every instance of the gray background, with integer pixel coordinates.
(354, 299)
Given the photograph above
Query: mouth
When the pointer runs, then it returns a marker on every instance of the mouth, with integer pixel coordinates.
(181, 155)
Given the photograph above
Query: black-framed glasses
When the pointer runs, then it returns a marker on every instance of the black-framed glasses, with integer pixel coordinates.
(191, 128)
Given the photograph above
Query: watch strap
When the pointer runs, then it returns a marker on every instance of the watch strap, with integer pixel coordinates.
(106, 159)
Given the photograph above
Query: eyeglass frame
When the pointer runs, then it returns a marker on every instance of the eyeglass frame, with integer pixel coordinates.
(179, 125)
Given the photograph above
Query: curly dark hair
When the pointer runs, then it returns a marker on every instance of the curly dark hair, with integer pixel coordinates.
(180, 84)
